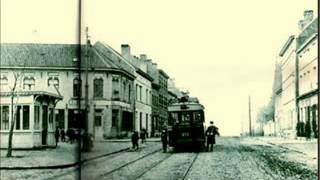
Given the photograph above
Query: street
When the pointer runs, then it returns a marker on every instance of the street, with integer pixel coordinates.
(232, 158)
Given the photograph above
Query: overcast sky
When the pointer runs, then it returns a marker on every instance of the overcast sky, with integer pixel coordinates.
(221, 51)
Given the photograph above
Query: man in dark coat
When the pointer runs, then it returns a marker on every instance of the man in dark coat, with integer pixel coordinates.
(57, 135)
(164, 140)
(135, 140)
(143, 136)
(211, 132)
(63, 135)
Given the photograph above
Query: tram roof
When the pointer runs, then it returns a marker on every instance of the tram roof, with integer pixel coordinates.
(185, 106)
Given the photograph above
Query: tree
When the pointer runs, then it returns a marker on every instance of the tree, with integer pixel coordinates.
(13, 93)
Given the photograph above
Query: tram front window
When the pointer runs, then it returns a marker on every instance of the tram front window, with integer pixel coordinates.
(197, 116)
(173, 118)
(185, 117)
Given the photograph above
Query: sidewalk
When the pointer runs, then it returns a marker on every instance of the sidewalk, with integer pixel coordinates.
(64, 154)
(307, 147)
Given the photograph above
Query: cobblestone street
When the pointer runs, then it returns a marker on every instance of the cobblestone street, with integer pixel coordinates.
(232, 158)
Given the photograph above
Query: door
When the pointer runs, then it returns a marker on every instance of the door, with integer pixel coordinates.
(98, 130)
(44, 124)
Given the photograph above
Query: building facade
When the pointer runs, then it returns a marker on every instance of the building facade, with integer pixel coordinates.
(142, 89)
(110, 99)
(286, 124)
(308, 88)
(296, 101)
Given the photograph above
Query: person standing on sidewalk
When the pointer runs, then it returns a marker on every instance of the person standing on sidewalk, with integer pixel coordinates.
(143, 136)
(57, 135)
(135, 140)
(164, 140)
(63, 135)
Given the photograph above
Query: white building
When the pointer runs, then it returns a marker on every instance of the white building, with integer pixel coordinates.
(110, 83)
(143, 89)
(287, 123)
(308, 88)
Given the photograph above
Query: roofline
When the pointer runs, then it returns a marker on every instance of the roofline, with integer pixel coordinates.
(286, 45)
(145, 75)
(163, 73)
(308, 41)
(71, 68)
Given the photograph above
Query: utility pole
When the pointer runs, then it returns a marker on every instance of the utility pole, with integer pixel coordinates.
(250, 132)
(87, 142)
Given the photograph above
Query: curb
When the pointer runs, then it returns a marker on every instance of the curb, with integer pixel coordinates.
(61, 166)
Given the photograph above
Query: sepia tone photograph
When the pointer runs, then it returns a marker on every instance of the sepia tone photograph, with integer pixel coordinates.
(159, 90)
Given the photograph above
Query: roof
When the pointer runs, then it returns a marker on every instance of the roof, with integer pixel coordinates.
(163, 73)
(145, 75)
(286, 45)
(311, 29)
(29, 55)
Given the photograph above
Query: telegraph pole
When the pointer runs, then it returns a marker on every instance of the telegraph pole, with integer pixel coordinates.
(87, 142)
(250, 131)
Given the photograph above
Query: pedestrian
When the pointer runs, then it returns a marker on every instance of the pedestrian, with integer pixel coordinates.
(57, 135)
(211, 132)
(63, 135)
(135, 140)
(164, 140)
(143, 136)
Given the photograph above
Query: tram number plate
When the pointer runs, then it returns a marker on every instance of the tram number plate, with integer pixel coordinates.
(185, 134)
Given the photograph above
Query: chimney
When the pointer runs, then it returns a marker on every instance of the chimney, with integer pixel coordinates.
(125, 50)
(143, 57)
(308, 16)
(301, 25)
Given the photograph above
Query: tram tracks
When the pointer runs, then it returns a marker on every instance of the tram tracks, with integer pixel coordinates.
(186, 173)
(102, 176)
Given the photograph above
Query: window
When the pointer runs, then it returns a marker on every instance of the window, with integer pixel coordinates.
(4, 115)
(173, 118)
(18, 116)
(147, 116)
(115, 87)
(147, 96)
(28, 83)
(3, 80)
(185, 117)
(76, 87)
(136, 91)
(98, 117)
(197, 116)
(51, 118)
(129, 93)
(53, 81)
(140, 93)
(25, 117)
(36, 118)
(140, 124)
(98, 88)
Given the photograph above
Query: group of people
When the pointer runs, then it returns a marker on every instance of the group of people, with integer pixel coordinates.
(61, 134)
(135, 138)
(210, 133)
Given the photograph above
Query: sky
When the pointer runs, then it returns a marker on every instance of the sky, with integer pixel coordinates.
(220, 51)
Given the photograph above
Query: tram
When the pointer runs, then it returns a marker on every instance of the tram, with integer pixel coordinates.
(186, 124)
